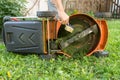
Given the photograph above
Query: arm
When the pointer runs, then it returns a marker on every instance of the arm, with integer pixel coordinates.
(61, 13)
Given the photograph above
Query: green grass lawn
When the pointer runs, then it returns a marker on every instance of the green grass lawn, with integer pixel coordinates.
(31, 67)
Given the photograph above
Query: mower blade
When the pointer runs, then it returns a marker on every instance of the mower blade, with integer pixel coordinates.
(92, 29)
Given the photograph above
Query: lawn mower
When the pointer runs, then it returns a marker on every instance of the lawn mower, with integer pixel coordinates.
(45, 36)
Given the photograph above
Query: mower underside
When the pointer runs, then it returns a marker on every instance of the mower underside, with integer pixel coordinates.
(47, 36)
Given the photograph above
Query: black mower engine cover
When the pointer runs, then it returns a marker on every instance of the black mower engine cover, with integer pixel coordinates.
(23, 36)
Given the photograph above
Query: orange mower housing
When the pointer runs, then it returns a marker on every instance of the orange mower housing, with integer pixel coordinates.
(46, 36)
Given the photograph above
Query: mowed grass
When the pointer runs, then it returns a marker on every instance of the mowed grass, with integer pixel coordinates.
(32, 67)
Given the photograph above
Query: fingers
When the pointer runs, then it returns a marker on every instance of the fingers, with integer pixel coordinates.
(62, 21)
(65, 21)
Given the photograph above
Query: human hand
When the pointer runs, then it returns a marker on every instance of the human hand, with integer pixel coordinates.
(63, 17)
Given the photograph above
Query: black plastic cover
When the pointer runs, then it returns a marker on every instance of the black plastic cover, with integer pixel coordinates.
(23, 36)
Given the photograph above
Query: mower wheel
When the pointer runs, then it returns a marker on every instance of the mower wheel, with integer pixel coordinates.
(101, 54)
(46, 14)
(48, 56)
(3, 35)
(6, 18)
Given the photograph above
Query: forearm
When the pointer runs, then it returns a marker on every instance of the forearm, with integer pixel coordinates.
(63, 17)
(59, 5)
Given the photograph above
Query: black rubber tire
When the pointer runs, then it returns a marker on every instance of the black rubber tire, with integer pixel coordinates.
(101, 54)
(6, 18)
(48, 56)
(46, 13)
(3, 35)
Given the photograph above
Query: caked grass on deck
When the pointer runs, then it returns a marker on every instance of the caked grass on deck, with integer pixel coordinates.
(31, 67)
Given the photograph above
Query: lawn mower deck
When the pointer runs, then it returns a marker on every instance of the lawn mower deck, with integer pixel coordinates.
(45, 36)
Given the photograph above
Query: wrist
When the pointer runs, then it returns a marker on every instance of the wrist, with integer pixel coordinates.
(61, 11)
